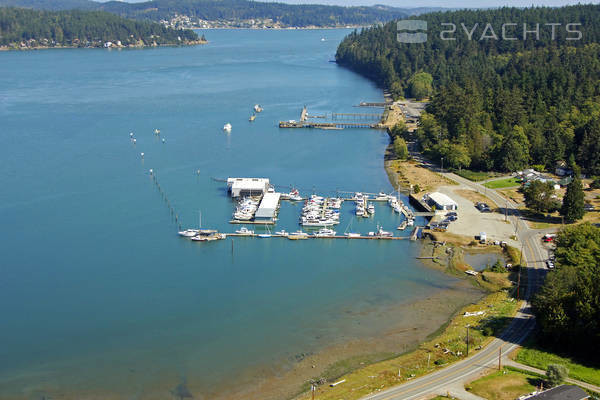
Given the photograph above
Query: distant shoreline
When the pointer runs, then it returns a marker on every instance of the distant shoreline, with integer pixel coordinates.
(26, 48)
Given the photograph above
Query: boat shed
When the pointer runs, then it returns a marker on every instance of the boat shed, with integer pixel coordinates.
(268, 207)
(247, 186)
(441, 202)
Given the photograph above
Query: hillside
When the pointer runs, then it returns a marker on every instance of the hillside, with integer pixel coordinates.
(24, 28)
(196, 13)
(496, 104)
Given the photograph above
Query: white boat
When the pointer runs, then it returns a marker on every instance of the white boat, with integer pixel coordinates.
(381, 233)
(257, 108)
(244, 231)
(252, 118)
(264, 235)
(299, 233)
(188, 233)
(371, 209)
(325, 232)
(227, 127)
(360, 211)
(322, 39)
(200, 238)
(352, 235)
(410, 222)
(282, 233)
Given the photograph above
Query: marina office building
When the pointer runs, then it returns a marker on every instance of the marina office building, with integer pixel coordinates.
(440, 201)
(247, 186)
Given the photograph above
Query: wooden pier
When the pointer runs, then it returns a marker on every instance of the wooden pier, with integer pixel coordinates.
(374, 104)
(255, 235)
(341, 121)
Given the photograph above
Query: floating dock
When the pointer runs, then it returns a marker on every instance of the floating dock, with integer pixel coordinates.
(359, 120)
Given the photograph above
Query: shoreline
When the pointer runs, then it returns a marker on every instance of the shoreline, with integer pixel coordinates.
(194, 43)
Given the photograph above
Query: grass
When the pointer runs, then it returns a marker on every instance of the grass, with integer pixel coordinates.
(474, 175)
(446, 347)
(502, 183)
(533, 355)
(504, 385)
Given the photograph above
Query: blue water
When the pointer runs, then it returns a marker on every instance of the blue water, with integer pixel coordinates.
(97, 292)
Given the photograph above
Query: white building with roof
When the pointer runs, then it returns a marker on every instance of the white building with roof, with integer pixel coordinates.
(268, 207)
(247, 186)
(440, 201)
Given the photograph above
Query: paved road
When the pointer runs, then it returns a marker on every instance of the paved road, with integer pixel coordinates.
(461, 372)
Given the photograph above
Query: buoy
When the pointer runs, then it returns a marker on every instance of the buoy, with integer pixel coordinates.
(142, 154)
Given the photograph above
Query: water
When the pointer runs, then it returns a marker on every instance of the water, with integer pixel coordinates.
(97, 292)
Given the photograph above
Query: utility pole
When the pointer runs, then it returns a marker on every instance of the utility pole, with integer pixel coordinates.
(468, 340)
(442, 165)
(500, 359)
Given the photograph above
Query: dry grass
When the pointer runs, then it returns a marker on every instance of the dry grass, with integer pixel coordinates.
(475, 197)
(406, 173)
(458, 240)
(445, 348)
(513, 194)
(392, 116)
(504, 385)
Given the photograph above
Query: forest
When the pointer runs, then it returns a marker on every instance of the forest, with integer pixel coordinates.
(82, 29)
(297, 15)
(567, 306)
(501, 98)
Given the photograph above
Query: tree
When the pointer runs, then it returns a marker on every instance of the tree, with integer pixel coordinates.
(399, 129)
(566, 306)
(556, 374)
(400, 148)
(539, 196)
(515, 150)
(420, 85)
(574, 201)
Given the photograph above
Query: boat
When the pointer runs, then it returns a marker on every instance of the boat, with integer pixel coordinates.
(371, 209)
(402, 225)
(157, 131)
(244, 231)
(227, 127)
(282, 233)
(352, 235)
(257, 108)
(325, 232)
(381, 233)
(410, 222)
(322, 39)
(265, 235)
(252, 118)
(188, 233)
(296, 237)
(200, 238)
(299, 233)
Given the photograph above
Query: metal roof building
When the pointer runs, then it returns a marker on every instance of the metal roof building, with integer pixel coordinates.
(268, 206)
(441, 201)
(247, 186)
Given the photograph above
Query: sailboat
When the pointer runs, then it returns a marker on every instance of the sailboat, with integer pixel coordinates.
(265, 235)
(351, 235)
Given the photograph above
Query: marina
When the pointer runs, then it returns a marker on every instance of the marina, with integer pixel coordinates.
(257, 203)
(338, 121)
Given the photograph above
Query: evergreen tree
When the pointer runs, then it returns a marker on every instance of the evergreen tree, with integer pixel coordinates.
(574, 201)
(400, 148)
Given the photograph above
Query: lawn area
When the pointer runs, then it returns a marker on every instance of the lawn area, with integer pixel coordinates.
(533, 356)
(502, 183)
(504, 385)
(474, 175)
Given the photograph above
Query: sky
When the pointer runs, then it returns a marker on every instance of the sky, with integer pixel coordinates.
(436, 3)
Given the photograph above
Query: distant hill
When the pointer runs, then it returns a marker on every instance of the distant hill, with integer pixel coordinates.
(25, 28)
(231, 10)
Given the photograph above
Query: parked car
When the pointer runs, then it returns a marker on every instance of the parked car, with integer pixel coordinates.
(549, 237)
(588, 207)
(550, 264)
(483, 207)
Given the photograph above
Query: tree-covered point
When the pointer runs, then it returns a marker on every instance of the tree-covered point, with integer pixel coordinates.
(502, 104)
(567, 306)
(83, 28)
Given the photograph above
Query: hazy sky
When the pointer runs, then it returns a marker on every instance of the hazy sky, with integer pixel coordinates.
(436, 3)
